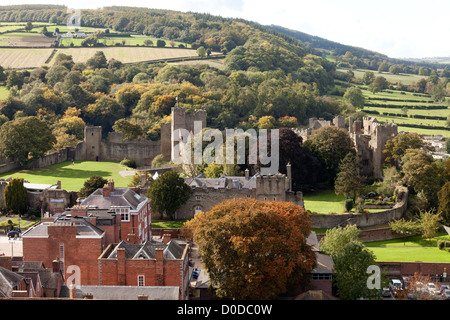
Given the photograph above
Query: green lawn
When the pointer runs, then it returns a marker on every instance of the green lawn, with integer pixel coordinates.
(133, 40)
(168, 224)
(71, 176)
(324, 202)
(416, 248)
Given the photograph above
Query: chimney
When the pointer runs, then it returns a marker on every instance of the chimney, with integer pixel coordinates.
(79, 211)
(111, 185)
(88, 296)
(247, 174)
(55, 265)
(121, 253)
(72, 291)
(166, 238)
(142, 297)
(58, 184)
(159, 253)
(106, 191)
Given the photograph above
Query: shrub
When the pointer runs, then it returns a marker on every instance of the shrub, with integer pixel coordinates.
(348, 204)
(128, 163)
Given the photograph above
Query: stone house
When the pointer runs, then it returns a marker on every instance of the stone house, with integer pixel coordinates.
(207, 192)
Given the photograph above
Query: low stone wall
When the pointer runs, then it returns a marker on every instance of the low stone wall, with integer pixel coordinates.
(363, 219)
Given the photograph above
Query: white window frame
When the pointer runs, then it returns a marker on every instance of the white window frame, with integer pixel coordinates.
(141, 280)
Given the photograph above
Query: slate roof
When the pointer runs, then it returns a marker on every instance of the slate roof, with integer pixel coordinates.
(8, 280)
(125, 292)
(224, 181)
(146, 250)
(120, 197)
(84, 227)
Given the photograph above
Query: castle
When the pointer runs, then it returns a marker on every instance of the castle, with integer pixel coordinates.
(369, 138)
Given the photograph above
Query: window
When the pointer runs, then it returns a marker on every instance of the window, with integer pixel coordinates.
(198, 209)
(141, 281)
(322, 276)
(61, 255)
(249, 196)
(124, 213)
(198, 198)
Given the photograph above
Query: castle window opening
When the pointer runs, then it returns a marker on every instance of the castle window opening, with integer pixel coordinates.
(197, 198)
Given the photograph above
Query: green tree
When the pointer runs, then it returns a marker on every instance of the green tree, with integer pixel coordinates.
(98, 61)
(444, 202)
(350, 266)
(16, 196)
(368, 77)
(160, 43)
(422, 173)
(129, 130)
(15, 78)
(26, 139)
(430, 222)
(404, 227)
(349, 181)
(213, 170)
(90, 185)
(355, 97)
(168, 193)
(336, 238)
(395, 148)
(330, 145)
(201, 51)
(29, 26)
(253, 249)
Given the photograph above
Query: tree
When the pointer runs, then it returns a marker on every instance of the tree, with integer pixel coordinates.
(350, 266)
(213, 170)
(160, 43)
(168, 193)
(404, 227)
(253, 249)
(422, 173)
(98, 61)
(349, 181)
(90, 185)
(355, 97)
(15, 79)
(378, 84)
(104, 112)
(395, 148)
(16, 196)
(444, 202)
(430, 222)
(29, 26)
(26, 139)
(368, 77)
(330, 145)
(201, 51)
(336, 238)
(129, 130)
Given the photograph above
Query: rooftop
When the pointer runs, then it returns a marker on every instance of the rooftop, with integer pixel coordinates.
(118, 197)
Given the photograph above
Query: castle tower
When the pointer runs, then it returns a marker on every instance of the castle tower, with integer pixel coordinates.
(92, 142)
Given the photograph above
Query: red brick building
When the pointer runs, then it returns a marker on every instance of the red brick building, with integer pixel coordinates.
(133, 209)
(151, 263)
(73, 241)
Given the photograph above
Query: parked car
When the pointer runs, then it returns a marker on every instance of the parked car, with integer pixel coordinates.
(195, 274)
(446, 294)
(395, 285)
(443, 288)
(386, 292)
(13, 234)
(431, 288)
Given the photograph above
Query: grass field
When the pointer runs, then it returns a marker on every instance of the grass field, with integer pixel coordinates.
(416, 248)
(71, 176)
(4, 93)
(404, 78)
(133, 40)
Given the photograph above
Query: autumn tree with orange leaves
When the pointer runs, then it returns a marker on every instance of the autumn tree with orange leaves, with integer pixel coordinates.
(253, 249)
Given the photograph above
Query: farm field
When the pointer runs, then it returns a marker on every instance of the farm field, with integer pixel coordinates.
(24, 58)
(24, 39)
(71, 176)
(404, 78)
(133, 40)
(34, 58)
